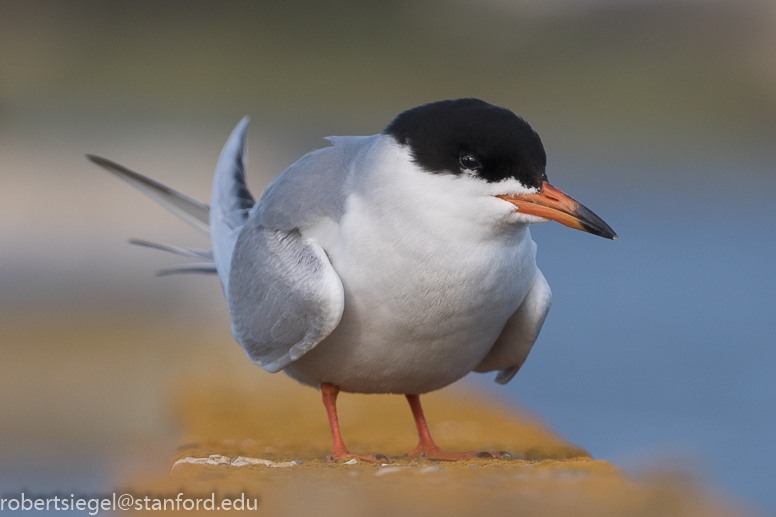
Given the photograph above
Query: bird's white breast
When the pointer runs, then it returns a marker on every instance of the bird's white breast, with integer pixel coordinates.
(432, 268)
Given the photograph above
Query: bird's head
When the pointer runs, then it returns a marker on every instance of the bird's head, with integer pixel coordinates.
(493, 145)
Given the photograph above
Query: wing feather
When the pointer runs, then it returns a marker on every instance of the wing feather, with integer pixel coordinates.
(231, 200)
(511, 349)
(284, 295)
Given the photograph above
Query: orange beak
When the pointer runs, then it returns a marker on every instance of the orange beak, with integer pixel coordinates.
(551, 203)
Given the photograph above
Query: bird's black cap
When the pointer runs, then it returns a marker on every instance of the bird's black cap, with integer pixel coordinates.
(470, 135)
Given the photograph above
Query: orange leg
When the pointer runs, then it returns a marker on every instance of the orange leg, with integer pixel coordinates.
(426, 447)
(330, 392)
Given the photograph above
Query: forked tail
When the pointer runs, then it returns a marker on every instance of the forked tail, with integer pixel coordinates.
(231, 202)
(190, 210)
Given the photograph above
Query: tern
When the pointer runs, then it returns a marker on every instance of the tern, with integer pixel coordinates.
(393, 263)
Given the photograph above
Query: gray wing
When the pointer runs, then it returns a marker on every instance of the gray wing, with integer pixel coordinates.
(314, 187)
(284, 296)
(230, 200)
(511, 349)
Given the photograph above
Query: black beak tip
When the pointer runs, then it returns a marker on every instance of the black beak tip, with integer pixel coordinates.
(595, 225)
(606, 233)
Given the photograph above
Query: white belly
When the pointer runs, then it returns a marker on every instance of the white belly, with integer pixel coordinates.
(421, 309)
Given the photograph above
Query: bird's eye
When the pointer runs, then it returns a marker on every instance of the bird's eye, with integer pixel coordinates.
(470, 162)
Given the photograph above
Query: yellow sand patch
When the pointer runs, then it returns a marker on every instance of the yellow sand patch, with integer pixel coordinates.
(265, 440)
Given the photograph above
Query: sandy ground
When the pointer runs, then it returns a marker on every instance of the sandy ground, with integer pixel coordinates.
(142, 395)
(228, 418)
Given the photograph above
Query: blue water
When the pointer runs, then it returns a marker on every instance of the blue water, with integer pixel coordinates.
(46, 470)
(661, 343)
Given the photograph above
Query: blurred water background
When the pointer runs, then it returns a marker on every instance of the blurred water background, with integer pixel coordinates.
(660, 116)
